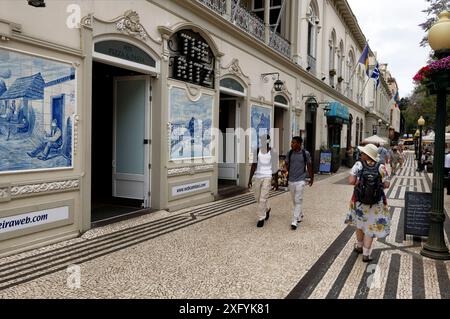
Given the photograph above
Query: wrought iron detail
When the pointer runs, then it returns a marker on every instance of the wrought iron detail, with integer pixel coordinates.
(218, 6)
(280, 44)
(248, 22)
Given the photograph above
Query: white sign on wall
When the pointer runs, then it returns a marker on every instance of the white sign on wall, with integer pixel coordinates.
(47, 216)
(188, 188)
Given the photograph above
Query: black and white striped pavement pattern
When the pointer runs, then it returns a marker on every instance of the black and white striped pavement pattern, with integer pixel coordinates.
(397, 270)
(41, 264)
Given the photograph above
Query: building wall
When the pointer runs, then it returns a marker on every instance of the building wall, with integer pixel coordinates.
(238, 55)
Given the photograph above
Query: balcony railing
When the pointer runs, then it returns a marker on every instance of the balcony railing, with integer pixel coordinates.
(218, 6)
(280, 44)
(249, 23)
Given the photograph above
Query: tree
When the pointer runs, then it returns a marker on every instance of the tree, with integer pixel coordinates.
(420, 103)
(434, 8)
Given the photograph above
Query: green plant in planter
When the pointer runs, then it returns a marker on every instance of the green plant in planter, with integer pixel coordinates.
(340, 79)
(332, 72)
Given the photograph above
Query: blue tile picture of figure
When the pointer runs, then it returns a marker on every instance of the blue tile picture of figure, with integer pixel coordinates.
(190, 125)
(37, 101)
(260, 124)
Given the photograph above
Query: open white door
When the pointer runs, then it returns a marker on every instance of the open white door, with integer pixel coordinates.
(228, 166)
(131, 149)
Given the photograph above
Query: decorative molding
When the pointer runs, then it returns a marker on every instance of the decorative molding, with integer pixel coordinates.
(181, 171)
(44, 188)
(128, 23)
(235, 69)
(76, 120)
(5, 193)
(208, 167)
(190, 170)
(195, 92)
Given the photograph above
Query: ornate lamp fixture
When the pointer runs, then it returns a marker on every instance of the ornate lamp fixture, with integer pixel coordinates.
(277, 85)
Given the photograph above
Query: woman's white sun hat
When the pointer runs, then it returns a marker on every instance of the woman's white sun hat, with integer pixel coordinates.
(371, 151)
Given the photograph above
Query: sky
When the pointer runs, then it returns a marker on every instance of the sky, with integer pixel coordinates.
(392, 28)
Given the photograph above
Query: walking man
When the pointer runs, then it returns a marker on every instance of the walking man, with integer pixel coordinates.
(298, 165)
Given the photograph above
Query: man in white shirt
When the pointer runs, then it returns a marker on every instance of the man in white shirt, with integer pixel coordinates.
(447, 171)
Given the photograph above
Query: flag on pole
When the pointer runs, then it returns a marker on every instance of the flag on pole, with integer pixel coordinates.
(396, 99)
(364, 59)
(376, 75)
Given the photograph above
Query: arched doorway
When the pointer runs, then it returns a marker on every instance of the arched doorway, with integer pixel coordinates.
(232, 100)
(281, 123)
(122, 71)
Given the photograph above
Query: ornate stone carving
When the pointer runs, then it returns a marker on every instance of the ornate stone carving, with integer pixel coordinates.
(87, 21)
(130, 24)
(180, 171)
(42, 188)
(4, 193)
(190, 170)
(234, 68)
(208, 167)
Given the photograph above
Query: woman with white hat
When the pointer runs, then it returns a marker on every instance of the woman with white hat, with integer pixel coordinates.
(368, 208)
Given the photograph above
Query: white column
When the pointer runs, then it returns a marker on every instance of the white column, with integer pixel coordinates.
(228, 9)
(267, 20)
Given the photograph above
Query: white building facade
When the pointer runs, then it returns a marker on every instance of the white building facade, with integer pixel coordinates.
(140, 89)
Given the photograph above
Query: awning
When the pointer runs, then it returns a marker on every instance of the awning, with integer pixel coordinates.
(29, 87)
(338, 113)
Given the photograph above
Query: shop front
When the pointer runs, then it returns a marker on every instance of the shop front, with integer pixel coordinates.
(337, 116)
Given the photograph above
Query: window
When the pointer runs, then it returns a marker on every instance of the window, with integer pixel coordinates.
(274, 12)
(232, 85)
(313, 20)
(350, 66)
(331, 58)
(281, 101)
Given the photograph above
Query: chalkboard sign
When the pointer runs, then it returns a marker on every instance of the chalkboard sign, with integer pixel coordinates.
(325, 162)
(417, 214)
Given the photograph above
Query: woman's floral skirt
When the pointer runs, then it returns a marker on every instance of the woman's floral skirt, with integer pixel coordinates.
(373, 220)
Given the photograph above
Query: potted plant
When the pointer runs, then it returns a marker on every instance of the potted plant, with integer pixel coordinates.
(435, 76)
(340, 79)
(332, 72)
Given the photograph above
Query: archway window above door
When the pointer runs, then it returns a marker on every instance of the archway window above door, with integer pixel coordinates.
(125, 51)
(232, 86)
(280, 100)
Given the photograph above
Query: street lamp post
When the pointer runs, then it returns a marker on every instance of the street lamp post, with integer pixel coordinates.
(416, 146)
(421, 123)
(439, 39)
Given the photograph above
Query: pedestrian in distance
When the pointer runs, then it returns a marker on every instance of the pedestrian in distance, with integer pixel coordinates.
(383, 154)
(447, 170)
(299, 166)
(395, 160)
(264, 170)
(368, 207)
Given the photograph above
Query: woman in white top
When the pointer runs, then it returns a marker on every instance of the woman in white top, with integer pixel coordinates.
(264, 170)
